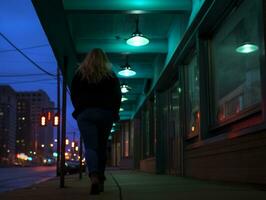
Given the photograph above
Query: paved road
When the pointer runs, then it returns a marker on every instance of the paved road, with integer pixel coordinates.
(20, 177)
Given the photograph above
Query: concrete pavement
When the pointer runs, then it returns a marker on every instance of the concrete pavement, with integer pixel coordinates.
(139, 186)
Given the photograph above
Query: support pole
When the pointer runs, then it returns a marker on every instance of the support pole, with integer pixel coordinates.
(58, 127)
(63, 136)
(80, 156)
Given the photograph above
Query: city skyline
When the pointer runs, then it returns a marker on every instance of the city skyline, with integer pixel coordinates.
(23, 48)
(20, 130)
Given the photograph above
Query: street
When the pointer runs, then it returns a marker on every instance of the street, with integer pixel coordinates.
(21, 177)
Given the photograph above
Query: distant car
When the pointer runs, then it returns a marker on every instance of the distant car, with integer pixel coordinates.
(48, 162)
(72, 167)
(17, 164)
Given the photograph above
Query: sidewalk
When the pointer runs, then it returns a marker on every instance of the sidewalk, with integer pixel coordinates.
(138, 186)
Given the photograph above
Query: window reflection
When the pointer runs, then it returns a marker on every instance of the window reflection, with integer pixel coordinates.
(236, 61)
(192, 107)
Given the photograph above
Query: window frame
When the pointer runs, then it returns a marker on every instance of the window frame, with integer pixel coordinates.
(247, 113)
(188, 57)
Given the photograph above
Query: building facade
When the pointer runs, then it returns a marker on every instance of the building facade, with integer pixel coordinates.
(7, 124)
(205, 116)
(32, 139)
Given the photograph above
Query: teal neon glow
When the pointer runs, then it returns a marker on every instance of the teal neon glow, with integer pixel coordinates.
(137, 40)
(121, 109)
(127, 72)
(124, 99)
(124, 88)
(247, 48)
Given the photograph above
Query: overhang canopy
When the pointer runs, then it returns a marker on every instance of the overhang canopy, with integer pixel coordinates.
(74, 27)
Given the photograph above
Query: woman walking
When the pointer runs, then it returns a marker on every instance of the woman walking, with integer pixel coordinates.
(96, 97)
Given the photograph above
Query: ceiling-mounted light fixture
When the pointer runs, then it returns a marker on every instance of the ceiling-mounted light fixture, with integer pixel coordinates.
(137, 38)
(124, 99)
(247, 48)
(124, 88)
(127, 70)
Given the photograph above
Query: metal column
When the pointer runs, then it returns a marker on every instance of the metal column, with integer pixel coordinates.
(80, 157)
(58, 127)
(63, 136)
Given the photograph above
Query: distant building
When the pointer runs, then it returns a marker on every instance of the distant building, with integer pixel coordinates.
(7, 124)
(31, 137)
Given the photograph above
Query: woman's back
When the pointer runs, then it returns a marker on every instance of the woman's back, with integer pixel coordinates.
(104, 94)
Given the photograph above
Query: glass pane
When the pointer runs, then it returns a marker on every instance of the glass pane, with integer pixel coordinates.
(236, 62)
(174, 130)
(147, 133)
(192, 108)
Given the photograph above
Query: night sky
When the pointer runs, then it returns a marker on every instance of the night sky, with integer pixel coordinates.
(20, 25)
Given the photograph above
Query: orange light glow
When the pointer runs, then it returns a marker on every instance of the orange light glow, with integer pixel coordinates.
(56, 120)
(49, 116)
(43, 120)
(198, 115)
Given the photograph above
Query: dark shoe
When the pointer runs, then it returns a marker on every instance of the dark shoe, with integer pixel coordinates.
(101, 188)
(95, 184)
(95, 189)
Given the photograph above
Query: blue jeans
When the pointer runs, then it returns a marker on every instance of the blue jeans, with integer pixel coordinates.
(95, 125)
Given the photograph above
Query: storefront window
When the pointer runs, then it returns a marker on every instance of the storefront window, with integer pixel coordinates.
(236, 53)
(148, 133)
(192, 99)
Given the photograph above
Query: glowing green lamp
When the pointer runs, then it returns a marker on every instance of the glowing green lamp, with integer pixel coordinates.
(247, 48)
(137, 39)
(124, 88)
(127, 70)
(124, 99)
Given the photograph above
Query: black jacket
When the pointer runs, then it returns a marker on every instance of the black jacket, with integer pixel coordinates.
(106, 94)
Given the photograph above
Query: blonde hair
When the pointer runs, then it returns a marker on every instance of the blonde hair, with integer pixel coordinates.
(95, 66)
